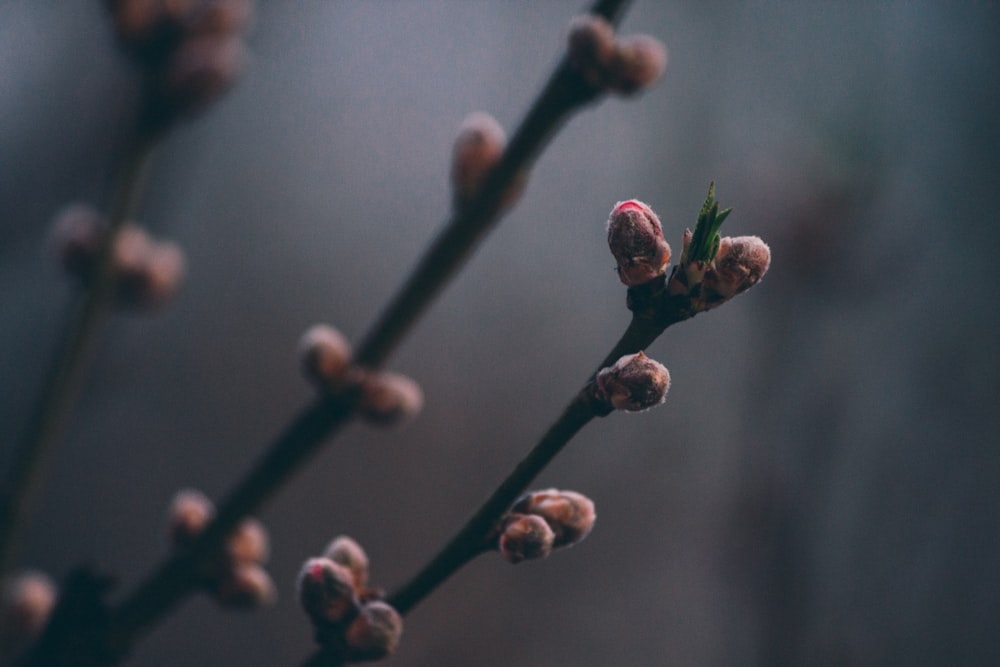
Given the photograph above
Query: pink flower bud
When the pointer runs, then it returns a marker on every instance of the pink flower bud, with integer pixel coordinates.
(638, 61)
(326, 591)
(387, 398)
(570, 514)
(246, 586)
(739, 264)
(635, 237)
(343, 550)
(375, 632)
(525, 537)
(634, 383)
(27, 602)
(199, 72)
(189, 513)
(325, 356)
(248, 543)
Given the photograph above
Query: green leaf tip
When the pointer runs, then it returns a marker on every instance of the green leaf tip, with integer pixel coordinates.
(705, 240)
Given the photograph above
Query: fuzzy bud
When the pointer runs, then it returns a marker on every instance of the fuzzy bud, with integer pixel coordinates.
(189, 513)
(345, 551)
(27, 602)
(246, 586)
(326, 591)
(478, 146)
(387, 398)
(638, 61)
(325, 356)
(739, 264)
(375, 632)
(634, 383)
(149, 272)
(248, 543)
(570, 514)
(635, 237)
(591, 47)
(525, 537)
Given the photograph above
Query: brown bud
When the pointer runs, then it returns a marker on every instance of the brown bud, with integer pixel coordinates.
(525, 537)
(739, 264)
(199, 72)
(248, 543)
(246, 586)
(591, 47)
(325, 356)
(637, 62)
(635, 238)
(189, 513)
(343, 550)
(570, 514)
(375, 632)
(634, 383)
(478, 146)
(326, 590)
(27, 602)
(387, 398)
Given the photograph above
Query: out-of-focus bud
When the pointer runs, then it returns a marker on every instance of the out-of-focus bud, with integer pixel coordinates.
(27, 602)
(591, 47)
(635, 238)
(76, 237)
(739, 264)
(345, 551)
(525, 537)
(638, 61)
(199, 72)
(326, 591)
(189, 513)
(570, 514)
(149, 272)
(478, 146)
(222, 17)
(387, 398)
(375, 632)
(246, 586)
(634, 383)
(248, 543)
(325, 355)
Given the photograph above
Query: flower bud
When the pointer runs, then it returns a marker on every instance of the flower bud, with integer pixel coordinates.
(199, 72)
(326, 591)
(739, 264)
(569, 514)
(325, 355)
(27, 602)
(387, 398)
(478, 146)
(526, 536)
(248, 543)
(634, 383)
(77, 234)
(375, 632)
(246, 586)
(343, 550)
(155, 277)
(189, 513)
(637, 62)
(591, 47)
(635, 237)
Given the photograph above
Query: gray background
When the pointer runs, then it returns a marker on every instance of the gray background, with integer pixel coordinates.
(820, 487)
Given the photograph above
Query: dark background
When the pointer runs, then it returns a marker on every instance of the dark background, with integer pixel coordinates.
(821, 486)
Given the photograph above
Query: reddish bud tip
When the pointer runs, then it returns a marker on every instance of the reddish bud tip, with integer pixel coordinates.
(571, 515)
(27, 602)
(246, 586)
(375, 632)
(325, 356)
(634, 383)
(326, 591)
(343, 550)
(387, 398)
(635, 237)
(526, 536)
(189, 513)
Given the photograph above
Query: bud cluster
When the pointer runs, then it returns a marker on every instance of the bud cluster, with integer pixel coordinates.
(148, 272)
(635, 237)
(478, 147)
(739, 264)
(623, 65)
(348, 616)
(384, 397)
(633, 383)
(192, 50)
(26, 603)
(235, 577)
(541, 521)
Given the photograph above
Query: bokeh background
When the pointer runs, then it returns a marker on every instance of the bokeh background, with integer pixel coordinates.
(821, 486)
